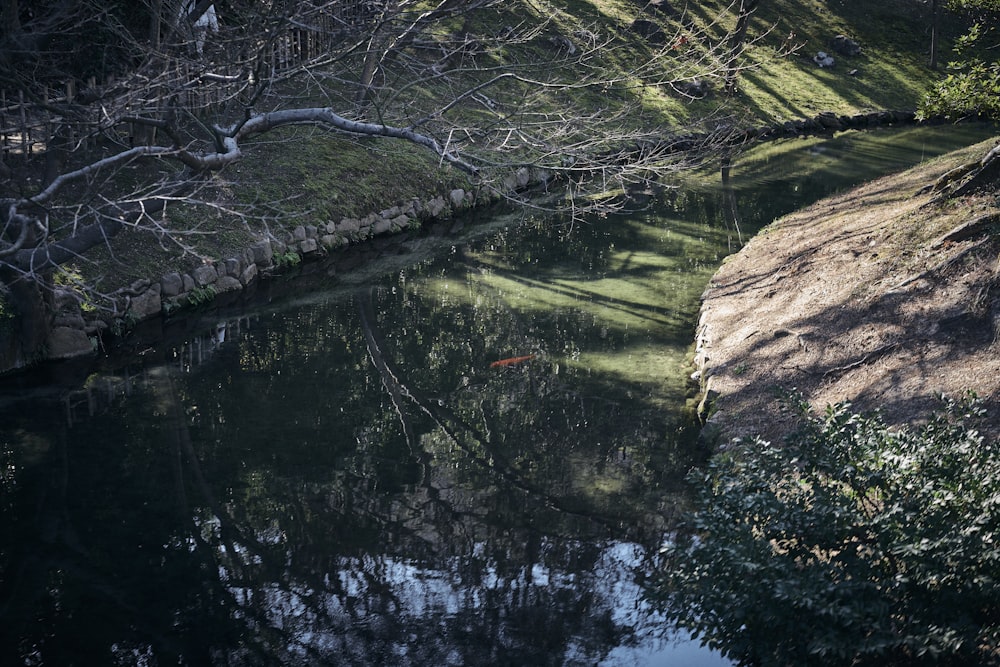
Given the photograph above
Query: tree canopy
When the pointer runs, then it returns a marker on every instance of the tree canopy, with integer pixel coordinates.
(971, 89)
(972, 85)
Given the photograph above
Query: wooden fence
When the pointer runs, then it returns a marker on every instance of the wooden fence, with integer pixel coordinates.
(27, 125)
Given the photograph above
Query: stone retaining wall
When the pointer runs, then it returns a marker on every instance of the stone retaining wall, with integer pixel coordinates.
(73, 334)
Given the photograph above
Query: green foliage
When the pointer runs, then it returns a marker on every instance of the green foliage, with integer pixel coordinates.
(287, 259)
(853, 544)
(70, 277)
(200, 296)
(972, 87)
(122, 325)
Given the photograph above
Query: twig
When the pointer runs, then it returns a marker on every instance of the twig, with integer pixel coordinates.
(862, 361)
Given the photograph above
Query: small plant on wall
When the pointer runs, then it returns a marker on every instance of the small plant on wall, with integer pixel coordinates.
(199, 296)
(287, 259)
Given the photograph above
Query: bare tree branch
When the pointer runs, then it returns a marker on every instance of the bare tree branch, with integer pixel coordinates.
(544, 92)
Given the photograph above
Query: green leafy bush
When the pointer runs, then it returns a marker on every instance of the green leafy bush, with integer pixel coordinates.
(288, 259)
(852, 544)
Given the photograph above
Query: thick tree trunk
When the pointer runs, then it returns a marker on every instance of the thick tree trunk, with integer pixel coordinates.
(25, 329)
(736, 42)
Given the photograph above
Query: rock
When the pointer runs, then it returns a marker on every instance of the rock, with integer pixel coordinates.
(695, 88)
(171, 284)
(311, 231)
(523, 177)
(649, 30)
(147, 304)
(823, 59)
(263, 253)
(400, 222)
(390, 213)
(69, 319)
(457, 197)
(68, 342)
(95, 327)
(349, 226)
(227, 284)
(188, 283)
(234, 267)
(248, 274)
(829, 121)
(435, 207)
(382, 226)
(308, 246)
(65, 299)
(205, 275)
(708, 399)
(661, 7)
(333, 240)
(845, 46)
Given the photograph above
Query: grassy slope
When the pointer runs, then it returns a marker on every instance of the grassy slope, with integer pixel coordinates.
(327, 177)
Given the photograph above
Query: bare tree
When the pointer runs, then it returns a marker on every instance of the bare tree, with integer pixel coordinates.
(191, 87)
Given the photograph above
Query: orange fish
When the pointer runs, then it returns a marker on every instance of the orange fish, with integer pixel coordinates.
(511, 361)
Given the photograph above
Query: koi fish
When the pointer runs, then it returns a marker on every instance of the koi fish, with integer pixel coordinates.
(511, 361)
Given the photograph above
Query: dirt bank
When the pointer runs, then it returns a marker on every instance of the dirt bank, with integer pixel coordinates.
(877, 296)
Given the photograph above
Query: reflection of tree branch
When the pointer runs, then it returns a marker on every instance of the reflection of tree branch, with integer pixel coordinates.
(451, 424)
(391, 382)
(229, 533)
(29, 565)
(730, 207)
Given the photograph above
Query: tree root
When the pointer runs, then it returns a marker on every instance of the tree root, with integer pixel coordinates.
(871, 356)
(967, 178)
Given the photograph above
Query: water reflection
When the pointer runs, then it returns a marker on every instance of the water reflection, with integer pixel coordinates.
(355, 482)
(351, 480)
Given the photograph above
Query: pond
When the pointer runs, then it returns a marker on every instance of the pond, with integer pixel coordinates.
(470, 458)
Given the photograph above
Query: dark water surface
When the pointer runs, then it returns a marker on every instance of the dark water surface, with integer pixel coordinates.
(352, 479)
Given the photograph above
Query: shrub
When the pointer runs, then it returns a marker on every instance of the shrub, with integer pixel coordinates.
(852, 544)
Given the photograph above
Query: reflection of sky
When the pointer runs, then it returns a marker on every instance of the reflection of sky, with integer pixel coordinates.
(653, 647)
(407, 604)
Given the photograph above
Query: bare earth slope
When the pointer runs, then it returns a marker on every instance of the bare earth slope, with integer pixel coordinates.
(876, 296)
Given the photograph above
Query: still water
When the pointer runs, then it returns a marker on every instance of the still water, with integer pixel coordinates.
(468, 459)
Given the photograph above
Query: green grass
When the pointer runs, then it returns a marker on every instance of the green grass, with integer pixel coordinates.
(304, 176)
